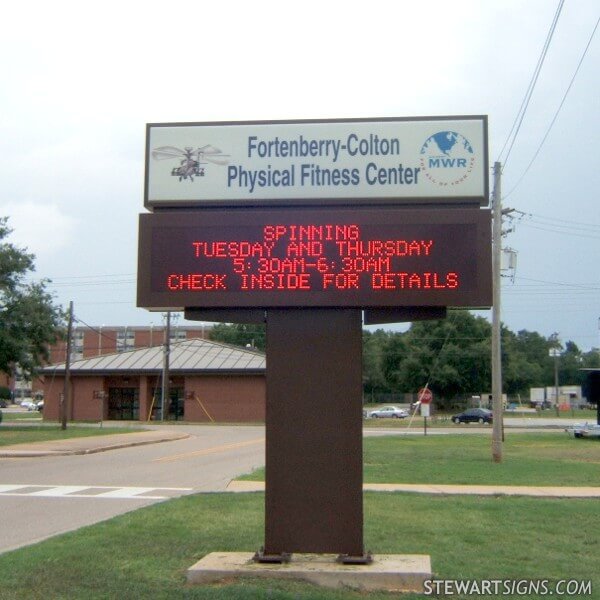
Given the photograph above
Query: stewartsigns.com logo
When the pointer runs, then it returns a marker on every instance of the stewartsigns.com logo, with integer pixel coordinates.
(447, 158)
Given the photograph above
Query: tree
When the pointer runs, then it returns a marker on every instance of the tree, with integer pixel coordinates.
(29, 321)
(452, 355)
(246, 335)
(591, 359)
(572, 361)
(374, 344)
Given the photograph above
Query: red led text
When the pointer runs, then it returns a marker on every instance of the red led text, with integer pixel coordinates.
(418, 281)
(320, 258)
(279, 281)
(196, 281)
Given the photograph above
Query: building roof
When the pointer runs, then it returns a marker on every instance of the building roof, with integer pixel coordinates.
(190, 356)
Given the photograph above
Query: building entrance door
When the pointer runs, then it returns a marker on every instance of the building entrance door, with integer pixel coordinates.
(123, 404)
(174, 411)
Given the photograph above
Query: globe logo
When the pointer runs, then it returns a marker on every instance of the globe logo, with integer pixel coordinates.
(447, 158)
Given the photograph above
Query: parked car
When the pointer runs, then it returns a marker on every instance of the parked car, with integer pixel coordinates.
(28, 404)
(584, 430)
(473, 415)
(2, 403)
(389, 412)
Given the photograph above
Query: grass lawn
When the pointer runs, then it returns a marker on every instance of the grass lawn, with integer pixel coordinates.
(33, 415)
(583, 414)
(144, 554)
(44, 433)
(529, 459)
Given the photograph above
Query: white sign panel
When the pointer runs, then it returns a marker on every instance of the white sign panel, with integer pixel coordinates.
(424, 160)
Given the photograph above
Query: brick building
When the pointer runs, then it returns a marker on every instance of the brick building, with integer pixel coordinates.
(208, 381)
(87, 342)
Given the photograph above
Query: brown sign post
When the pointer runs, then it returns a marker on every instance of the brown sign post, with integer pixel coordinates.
(313, 496)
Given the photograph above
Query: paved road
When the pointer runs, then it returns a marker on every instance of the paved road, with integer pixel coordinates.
(44, 496)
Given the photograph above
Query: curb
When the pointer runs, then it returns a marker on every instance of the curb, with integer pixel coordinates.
(92, 450)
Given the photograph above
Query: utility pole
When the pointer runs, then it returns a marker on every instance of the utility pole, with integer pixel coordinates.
(165, 375)
(556, 355)
(496, 323)
(66, 403)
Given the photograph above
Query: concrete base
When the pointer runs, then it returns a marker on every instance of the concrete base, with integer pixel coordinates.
(387, 572)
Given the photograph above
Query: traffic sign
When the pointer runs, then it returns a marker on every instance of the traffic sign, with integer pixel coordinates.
(425, 396)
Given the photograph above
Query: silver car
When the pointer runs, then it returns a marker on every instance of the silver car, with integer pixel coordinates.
(389, 412)
(584, 430)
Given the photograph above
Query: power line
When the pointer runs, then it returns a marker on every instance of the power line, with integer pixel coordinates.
(554, 229)
(75, 280)
(98, 331)
(557, 111)
(554, 225)
(94, 276)
(128, 302)
(579, 285)
(528, 94)
(556, 222)
(101, 282)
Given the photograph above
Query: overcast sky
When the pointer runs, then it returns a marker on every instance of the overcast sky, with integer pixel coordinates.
(80, 81)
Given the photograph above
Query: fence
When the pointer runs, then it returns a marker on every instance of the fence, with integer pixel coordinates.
(407, 398)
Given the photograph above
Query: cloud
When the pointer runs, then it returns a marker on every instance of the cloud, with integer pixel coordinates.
(41, 228)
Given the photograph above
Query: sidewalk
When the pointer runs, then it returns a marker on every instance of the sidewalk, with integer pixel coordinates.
(90, 445)
(103, 443)
(479, 490)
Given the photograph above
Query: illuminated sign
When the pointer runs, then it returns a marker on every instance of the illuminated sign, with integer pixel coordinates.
(416, 161)
(385, 257)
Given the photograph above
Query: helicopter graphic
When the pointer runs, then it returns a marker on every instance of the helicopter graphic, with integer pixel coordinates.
(191, 160)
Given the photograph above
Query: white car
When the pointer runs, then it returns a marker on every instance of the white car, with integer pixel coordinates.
(584, 430)
(389, 412)
(29, 405)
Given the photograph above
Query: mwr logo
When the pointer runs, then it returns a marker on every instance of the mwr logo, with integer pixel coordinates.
(191, 161)
(447, 158)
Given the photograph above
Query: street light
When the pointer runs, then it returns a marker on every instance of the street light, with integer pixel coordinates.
(555, 352)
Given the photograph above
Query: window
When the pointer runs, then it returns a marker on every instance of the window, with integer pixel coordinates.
(123, 404)
(178, 336)
(125, 340)
(175, 405)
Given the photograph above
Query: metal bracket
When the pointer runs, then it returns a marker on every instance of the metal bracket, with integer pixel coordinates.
(347, 559)
(261, 557)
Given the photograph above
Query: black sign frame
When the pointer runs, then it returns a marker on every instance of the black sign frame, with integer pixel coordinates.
(453, 269)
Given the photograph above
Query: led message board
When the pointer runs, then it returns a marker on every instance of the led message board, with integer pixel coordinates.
(355, 161)
(359, 257)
